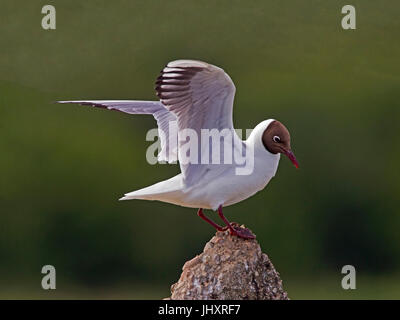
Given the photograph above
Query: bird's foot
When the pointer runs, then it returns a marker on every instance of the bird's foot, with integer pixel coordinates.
(241, 232)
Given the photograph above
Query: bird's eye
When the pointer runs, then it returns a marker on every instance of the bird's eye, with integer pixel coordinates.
(276, 139)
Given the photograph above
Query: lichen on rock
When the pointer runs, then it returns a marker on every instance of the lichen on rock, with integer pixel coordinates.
(229, 268)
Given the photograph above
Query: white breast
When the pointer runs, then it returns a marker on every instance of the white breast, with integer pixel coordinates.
(230, 188)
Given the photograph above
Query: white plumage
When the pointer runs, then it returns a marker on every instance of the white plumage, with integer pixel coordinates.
(197, 95)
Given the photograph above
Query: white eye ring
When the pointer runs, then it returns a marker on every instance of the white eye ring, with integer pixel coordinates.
(276, 139)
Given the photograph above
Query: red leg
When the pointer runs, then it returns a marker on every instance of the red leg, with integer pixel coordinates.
(237, 231)
(228, 224)
(216, 226)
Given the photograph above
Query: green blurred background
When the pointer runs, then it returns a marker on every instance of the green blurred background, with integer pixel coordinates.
(63, 167)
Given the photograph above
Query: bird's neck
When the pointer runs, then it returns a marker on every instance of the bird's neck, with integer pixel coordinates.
(263, 159)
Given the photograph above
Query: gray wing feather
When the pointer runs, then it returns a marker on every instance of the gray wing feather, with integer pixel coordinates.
(201, 96)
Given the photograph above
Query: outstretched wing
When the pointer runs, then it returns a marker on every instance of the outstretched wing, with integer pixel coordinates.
(166, 120)
(201, 96)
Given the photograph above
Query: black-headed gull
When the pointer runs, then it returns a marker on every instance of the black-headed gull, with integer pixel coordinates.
(196, 95)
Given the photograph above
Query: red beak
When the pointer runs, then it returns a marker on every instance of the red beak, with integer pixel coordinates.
(292, 158)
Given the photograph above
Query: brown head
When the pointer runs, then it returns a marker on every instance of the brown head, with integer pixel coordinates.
(276, 139)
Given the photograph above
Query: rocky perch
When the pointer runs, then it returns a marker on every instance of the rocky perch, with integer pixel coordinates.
(229, 268)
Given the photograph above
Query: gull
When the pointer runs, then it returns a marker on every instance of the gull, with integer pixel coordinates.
(197, 95)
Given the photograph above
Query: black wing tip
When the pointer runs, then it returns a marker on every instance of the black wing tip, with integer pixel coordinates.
(85, 103)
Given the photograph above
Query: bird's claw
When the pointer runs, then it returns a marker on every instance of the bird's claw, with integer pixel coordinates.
(241, 232)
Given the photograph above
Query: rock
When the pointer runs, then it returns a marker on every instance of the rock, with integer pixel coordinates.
(229, 268)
